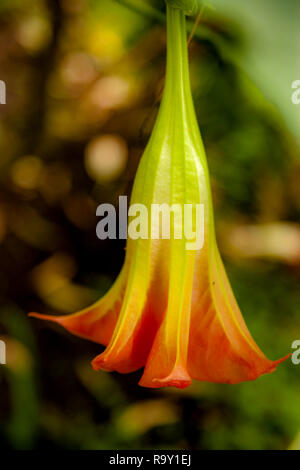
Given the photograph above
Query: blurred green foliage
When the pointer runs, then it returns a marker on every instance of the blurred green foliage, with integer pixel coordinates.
(84, 80)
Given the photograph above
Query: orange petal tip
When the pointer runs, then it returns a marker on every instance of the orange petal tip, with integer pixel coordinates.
(40, 316)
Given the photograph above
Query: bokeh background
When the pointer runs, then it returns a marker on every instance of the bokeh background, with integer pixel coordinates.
(84, 79)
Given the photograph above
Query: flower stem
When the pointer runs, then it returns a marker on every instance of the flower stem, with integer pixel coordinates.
(177, 96)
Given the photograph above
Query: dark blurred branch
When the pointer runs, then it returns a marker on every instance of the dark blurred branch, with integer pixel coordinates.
(42, 65)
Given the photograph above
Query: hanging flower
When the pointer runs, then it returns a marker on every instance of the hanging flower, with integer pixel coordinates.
(172, 310)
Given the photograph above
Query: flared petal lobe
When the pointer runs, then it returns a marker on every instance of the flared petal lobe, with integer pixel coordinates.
(97, 322)
(221, 348)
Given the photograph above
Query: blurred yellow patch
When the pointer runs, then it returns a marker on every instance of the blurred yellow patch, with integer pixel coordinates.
(105, 43)
(26, 172)
(143, 416)
(18, 357)
(52, 281)
(78, 69)
(34, 33)
(27, 224)
(279, 241)
(110, 92)
(53, 273)
(106, 158)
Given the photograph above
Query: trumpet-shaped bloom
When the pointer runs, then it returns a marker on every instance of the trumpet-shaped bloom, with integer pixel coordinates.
(172, 310)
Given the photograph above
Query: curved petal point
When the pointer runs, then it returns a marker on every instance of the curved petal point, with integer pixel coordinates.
(97, 322)
(179, 378)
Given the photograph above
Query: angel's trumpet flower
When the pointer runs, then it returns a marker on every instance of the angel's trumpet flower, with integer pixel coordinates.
(172, 310)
